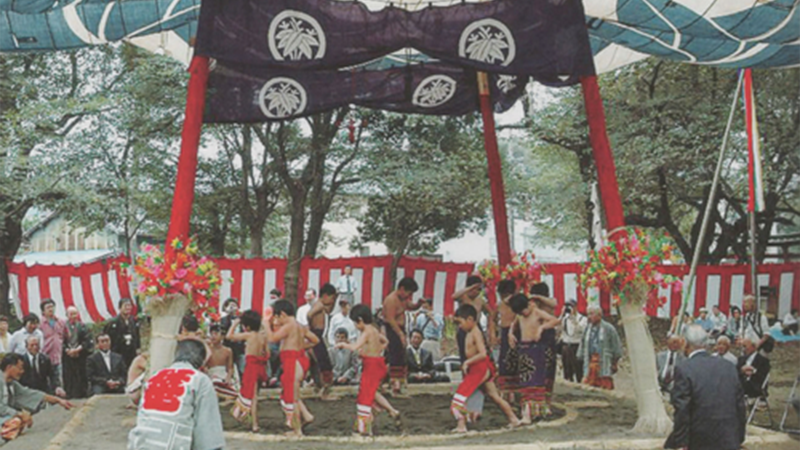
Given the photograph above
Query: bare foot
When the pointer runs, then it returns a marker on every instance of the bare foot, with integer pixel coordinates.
(293, 433)
(516, 423)
(526, 421)
(308, 420)
(458, 430)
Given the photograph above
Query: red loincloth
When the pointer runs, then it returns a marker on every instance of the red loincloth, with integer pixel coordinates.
(289, 360)
(474, 378)
(255, 371)
(373, 373)
(594, 378)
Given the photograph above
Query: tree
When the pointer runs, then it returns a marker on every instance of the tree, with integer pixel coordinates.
(427, 183)
(43, 99)
(128, 152)
(665, 122)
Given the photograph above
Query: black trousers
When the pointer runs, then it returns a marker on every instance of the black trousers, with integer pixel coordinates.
(573, 367)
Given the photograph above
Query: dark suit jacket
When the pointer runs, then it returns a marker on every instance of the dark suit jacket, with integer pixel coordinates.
(709, 405)
(98, 374)
(45, 380)
(426, 360)
(752, 386)
(117, 329)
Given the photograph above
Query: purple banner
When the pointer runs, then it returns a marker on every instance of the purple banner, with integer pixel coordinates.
(543, 39)
(244, 94)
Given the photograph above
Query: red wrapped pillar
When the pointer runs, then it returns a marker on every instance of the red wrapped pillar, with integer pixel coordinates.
(495, 173)
(603, 158)
(190, 141)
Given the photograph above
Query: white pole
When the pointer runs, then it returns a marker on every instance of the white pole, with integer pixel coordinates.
(707, 215)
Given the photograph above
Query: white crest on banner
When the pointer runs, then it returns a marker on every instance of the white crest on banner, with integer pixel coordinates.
(295, 36)
(488, 41)
(506, 83)
(434, 91)
(281, 98)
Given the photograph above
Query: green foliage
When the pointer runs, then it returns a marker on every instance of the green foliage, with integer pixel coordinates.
(666, 121)
(427, 182)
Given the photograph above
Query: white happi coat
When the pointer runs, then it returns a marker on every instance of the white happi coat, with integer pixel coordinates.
(178, 411)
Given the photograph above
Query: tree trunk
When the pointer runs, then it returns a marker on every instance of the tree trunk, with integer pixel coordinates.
(653, 418)
(10, 241)
(256, 230)
(296, 237)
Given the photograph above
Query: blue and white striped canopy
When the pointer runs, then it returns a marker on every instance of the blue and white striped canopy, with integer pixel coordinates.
(723, 33)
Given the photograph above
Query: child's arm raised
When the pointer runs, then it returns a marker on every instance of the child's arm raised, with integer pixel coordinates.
(232, 335)
(548, 321)
(279, 335)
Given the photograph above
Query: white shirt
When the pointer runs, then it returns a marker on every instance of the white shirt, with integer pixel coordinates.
(337, 321)
(789, 320)
(107, 358)
(572, 326)
(750, 333)
(342, 284)
(302, 314)
(19, 339)
(720, 321)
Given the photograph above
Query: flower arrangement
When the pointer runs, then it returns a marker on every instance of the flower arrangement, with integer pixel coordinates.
(181, 271)
(523, 269)
(628, 265)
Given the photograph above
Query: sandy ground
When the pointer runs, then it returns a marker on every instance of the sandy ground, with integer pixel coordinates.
(603, 421)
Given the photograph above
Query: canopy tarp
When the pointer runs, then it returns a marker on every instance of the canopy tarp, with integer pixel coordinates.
(724, 33)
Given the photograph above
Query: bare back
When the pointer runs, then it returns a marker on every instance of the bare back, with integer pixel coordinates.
(371, 342)
(256, 344)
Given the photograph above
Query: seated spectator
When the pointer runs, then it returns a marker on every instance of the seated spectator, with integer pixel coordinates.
(39, 371)
(420, 361)
(17, 402)
(342, 320)
(723, 350)
(667, 360)
(719, 320)
(704, 321)
(431, 324)
(19, 340)
(105, 369)
(790, 323)
(753, 369)
(344, 361)
(734, 330)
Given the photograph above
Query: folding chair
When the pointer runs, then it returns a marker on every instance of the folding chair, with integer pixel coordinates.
(762, 397)
(793, 401)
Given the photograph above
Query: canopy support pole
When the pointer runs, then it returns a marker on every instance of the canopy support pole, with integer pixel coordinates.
(604, 162)
(190, 141)
(687, 289)
(495, 173)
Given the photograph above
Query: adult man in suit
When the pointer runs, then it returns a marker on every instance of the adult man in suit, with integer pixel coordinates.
(753, 369)
(708, 400)
(123, 330)
(420, 361)
(39, 371)
(105, 369)
(667, 360)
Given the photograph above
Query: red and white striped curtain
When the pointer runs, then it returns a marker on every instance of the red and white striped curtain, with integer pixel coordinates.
(95, 288)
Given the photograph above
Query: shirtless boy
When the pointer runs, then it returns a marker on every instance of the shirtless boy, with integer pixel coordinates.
(535, 380)
(295, 339)
(507, 359)
(479, 371)
(255, 368)
(370, 345)
(220, 363)
(318, 317)
(395, 306)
